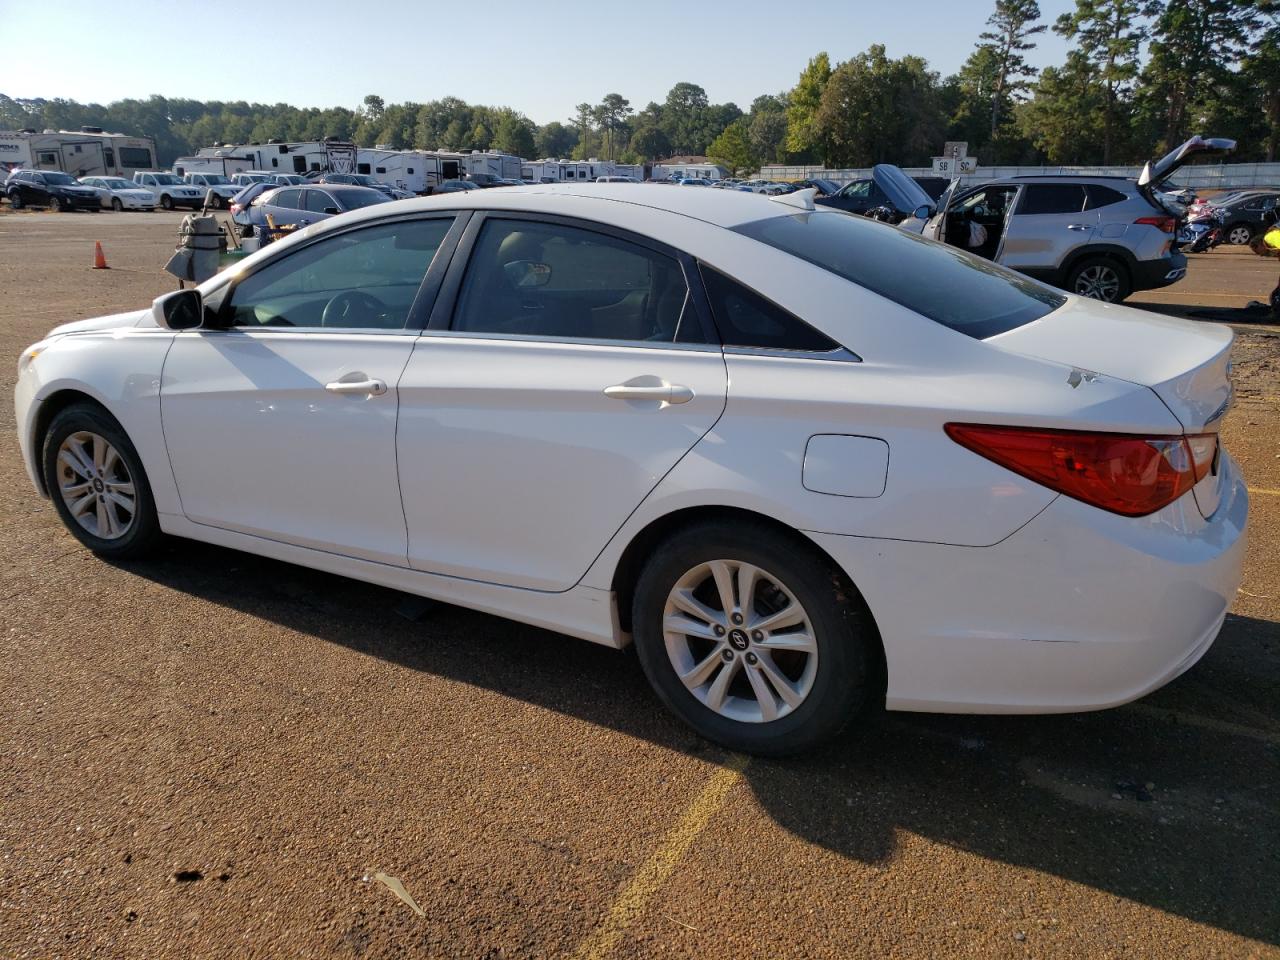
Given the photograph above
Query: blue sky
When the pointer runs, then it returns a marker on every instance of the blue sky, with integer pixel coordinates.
(329, 53)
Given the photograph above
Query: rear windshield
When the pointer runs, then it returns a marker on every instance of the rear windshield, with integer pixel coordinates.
(954, 288)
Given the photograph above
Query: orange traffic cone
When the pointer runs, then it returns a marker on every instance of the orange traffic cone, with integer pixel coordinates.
(99, 258)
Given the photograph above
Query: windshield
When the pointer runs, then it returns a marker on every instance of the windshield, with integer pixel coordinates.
(352, 200)
(115, 183)
(167, 178)
(949, 286)
(213, 178)
(59, 178)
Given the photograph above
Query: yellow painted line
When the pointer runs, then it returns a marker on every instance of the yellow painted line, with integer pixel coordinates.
(1205, 723)
(1265, 491)
(635, 896)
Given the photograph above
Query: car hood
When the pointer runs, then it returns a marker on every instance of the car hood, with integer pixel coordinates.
(903, 192)
(1186, 363)
(115, 321)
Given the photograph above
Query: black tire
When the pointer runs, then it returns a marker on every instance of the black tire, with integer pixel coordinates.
(1106, 277)
(1238, 234)
(847, 644)
(142, 536)
(15, 200)
(116, 205)
(166, 201)
(55, 205)
(216, 202)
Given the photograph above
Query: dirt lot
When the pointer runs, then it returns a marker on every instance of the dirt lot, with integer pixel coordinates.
(213, 755)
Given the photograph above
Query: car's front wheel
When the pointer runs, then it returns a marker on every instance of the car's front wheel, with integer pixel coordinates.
(753, 638)
(116, 205)
(166, 201)
(55, 205)
(1099, 278)
(15, 200)
(98, 485)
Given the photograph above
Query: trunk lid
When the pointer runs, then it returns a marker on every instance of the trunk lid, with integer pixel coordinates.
(1186, 364)
(1157, 172)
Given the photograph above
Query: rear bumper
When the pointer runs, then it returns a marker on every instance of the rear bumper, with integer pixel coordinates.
(1150, 274)
(1078, 610)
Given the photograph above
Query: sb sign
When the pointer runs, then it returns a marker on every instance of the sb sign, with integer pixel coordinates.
(955, 166)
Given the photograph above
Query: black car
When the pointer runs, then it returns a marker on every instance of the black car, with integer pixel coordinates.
(454, 186)
(862, 195)
(49, 188)
(1243, 216)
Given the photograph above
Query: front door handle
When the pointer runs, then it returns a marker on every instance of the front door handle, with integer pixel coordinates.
(364, 386)
(666, 392)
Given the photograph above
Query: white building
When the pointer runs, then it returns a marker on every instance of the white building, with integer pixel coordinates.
(90, 151)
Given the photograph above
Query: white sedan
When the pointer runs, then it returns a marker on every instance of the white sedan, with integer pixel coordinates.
(805, 461)
(118, 193)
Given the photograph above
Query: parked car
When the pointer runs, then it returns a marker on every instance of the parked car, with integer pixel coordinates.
(299, 206)
(825, 188)
(247, 195)
(117, 193)
(247, 177)
(287, 179)
(364, 180)
(169, 188)
(223, 189)
(1096, 236)
(863, 195)
(692, 182)
(49, 188)
(616, 180)
(1244, 215)
(482, 179)
(767, 187)
(868, 469)
(454, 186)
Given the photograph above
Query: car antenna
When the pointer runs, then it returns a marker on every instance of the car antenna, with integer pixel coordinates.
(801, 199)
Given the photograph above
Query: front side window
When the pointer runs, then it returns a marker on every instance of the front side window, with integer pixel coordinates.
(365, 279)
(949, 286)
(546, 279)
(318, 200)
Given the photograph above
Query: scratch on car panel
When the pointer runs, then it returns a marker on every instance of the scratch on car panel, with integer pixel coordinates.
(1078, 376)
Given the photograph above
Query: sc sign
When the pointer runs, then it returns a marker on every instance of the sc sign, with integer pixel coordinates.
(955, 166)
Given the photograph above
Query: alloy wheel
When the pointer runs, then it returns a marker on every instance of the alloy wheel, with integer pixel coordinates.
(55, 205)
(116, 205)
(740, 641)
(95, 485)
(1239, 236)
(1098, 282)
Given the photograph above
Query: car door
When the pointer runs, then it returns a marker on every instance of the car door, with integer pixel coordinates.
(1049, 223)
(280, 413)
(566, 370)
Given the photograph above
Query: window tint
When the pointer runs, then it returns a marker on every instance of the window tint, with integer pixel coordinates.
(1051, 198)
(966, 293)
(545, 279)
(1100, 196)
(317, 200)
(286, 198)
(364, 278)
(746, 319)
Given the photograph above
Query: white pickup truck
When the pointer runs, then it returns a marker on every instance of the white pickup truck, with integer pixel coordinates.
(169, 189)
(222, 187)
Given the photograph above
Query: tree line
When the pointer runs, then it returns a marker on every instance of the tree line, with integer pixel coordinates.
(1140, 77)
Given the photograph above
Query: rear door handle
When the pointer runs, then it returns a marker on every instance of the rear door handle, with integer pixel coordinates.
(668, 392)
(366, 386)
(1077, 226)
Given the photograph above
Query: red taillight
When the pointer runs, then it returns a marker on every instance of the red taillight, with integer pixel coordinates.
(1129, 475)
(1163, 224)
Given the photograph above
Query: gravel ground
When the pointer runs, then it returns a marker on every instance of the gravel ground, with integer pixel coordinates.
(213, 755)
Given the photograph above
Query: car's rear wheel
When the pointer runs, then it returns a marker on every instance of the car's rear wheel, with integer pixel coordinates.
(55, 205)
(753, 638)
(1239, 235)
(217, 202)
(98, 485)
(116, 205)
(1099, 278)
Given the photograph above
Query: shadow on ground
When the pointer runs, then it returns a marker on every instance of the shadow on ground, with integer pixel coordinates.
(1180, 816)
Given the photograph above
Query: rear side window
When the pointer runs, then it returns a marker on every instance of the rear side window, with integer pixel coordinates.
(286, 198)
(1100, 196)
(949, 286)
(746, 319)
(1051, 198)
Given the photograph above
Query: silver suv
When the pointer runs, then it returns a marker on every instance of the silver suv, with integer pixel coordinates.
(1095, 236)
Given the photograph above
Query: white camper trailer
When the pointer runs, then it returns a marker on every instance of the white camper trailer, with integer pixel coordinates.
(314, 156)
(493, 164)
(414, 170)
(227, 166)
(88, 152)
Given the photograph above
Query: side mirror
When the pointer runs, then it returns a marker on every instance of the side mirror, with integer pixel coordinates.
(332, 210)
(922, 212)
(180, 310)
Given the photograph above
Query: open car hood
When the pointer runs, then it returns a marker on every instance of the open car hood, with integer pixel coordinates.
(905, 194)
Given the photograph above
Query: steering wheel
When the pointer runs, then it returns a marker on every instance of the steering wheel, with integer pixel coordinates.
(352, 308)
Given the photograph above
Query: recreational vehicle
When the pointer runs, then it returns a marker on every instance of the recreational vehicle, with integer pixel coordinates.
(318, 156)
(490, 163)
(414, 170)
(87, 152)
